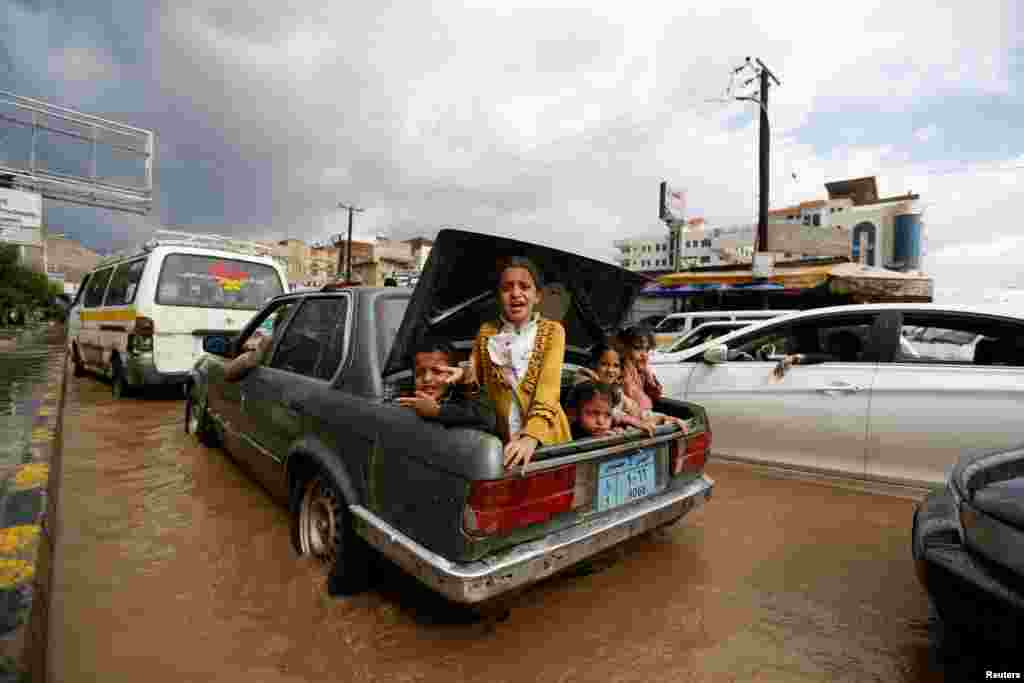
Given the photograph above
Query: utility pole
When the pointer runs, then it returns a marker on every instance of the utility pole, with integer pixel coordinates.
(348, 256)
(765, 77)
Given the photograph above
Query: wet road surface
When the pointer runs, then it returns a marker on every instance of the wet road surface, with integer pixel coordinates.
(24, 354)
(173, 566)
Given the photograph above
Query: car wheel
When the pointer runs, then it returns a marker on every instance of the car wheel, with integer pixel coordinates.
(325, 532)
(198, 422)
(118, 383)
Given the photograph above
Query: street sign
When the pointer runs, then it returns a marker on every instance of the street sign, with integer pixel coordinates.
(74, 157)
(21, 217)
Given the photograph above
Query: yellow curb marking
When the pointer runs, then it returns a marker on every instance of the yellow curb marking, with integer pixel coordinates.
(14, 538)
(13, 572)
(31, 476)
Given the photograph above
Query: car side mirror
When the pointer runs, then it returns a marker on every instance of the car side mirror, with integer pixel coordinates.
(716, 355)
(217, 344)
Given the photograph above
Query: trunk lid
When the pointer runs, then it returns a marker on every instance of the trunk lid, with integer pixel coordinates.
(456, 293)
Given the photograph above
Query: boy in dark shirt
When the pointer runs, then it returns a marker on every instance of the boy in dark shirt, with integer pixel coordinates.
(439, 401)
(590, 410)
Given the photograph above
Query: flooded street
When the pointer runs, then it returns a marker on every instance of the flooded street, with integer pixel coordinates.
(173, 566)
(24, 354)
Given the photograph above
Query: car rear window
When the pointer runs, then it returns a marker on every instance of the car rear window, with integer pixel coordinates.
(212, 282)
(390, 311)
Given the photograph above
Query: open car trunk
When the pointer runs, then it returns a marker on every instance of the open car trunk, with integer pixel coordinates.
(456, 294)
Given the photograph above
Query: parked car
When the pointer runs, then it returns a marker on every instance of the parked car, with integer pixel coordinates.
(321, 430)
(897, 409)
(968, 546)
(650, 321)
(678, 324)
(703, 334)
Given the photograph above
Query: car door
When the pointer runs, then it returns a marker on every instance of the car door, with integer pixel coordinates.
(225, 398)
(813, 416)
(953, 383)
(280, 398)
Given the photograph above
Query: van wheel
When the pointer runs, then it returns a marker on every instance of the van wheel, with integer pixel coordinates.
(198, 421)
(325, 532)
(119, 387)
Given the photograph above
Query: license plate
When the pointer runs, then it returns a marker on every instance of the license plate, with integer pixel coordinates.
(624, 480)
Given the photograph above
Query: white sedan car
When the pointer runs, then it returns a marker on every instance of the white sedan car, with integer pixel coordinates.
(919, 385)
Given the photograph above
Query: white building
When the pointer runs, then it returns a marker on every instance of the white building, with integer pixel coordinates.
(885, 232)
(645, 254)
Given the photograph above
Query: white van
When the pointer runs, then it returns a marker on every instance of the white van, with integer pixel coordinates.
(678, 324)
(139, 317)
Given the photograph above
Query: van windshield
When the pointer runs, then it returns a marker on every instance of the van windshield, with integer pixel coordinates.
(213, 282)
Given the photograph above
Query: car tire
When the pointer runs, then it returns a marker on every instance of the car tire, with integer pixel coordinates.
(325, 532)
(197, 421)
(119, 386)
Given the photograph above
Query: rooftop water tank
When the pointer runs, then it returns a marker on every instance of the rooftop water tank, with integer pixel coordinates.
(907, 241)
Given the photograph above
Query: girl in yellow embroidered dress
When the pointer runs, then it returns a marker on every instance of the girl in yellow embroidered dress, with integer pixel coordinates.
(518, 361)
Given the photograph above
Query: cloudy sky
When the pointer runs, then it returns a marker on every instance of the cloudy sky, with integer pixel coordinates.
(553, 125)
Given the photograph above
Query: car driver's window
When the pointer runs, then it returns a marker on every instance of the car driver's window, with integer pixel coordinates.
(766, 346)
(314, 342)
(264, 332)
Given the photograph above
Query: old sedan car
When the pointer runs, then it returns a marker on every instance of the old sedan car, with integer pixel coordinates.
(968, 546)
(317, 424)
(899, 407)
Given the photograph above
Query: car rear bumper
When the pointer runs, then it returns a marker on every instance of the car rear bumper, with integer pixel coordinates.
(140, 369)
(473, 582)
(964, 587)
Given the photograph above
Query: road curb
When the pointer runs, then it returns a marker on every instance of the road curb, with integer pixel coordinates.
(27, 510)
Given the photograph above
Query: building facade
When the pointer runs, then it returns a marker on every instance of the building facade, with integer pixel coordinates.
(420, 249)
(645, 254)
(68, 260)
(884, 232)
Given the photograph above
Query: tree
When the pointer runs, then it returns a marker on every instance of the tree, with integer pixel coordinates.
(21, 287)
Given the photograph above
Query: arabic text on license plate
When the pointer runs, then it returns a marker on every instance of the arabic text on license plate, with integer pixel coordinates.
(625, 479)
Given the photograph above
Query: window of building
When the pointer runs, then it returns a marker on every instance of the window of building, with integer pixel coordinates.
(807, 219)
(817, 220)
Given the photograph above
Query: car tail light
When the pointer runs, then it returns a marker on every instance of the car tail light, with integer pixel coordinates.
(142, 335)
(499, 506)
(695, 454)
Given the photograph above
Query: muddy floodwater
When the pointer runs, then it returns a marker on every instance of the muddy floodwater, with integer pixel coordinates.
(24, 354)
(173, 566)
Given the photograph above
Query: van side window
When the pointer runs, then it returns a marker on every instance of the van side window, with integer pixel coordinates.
(97, 285)
(82, 288)
(124, 283)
